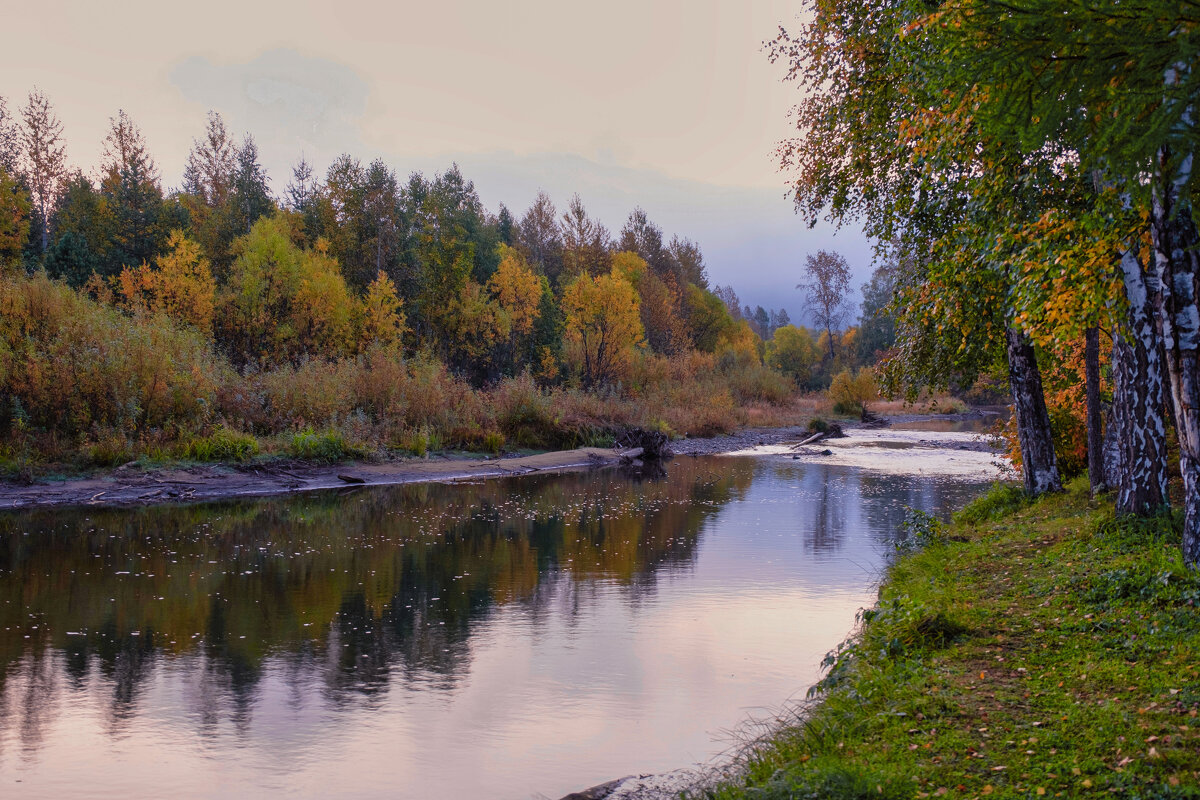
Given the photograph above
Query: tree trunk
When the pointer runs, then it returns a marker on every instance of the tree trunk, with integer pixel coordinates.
(1174, 235)
(1095, 432)
(1114, 425)
(1038, 462)
(1137, 411)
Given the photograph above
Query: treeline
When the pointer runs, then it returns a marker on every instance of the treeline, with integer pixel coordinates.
(398, 312)
(1028, 169)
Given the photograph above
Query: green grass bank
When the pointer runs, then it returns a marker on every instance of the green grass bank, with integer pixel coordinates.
(1026, 650)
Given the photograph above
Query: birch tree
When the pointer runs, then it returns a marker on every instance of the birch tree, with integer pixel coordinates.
(208, 173)
(44, 157)
(539, 236)
(1114, 81)
(826, 292)
(586, 242)
(877, 143)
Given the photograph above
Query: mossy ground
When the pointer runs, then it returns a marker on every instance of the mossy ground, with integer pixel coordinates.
(1044, 650)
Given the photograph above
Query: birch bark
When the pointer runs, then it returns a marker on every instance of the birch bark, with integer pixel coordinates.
(1175, 238)
(1137, 411)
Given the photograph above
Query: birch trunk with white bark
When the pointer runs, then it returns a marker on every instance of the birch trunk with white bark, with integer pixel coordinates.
(1137, 410)
(1175, 238)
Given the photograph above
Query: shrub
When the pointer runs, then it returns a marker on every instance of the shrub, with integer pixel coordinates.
(416, 442)
(326, 447)
(755, 382)
(76, 366)
(851, 393)
(493, 442)
(110, 449)
(947, 405)
(524, 415)
(223, 444)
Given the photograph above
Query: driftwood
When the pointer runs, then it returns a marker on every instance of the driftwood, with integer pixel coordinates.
(654, 445)
(350, 479)
(873, 420)
(818, 433)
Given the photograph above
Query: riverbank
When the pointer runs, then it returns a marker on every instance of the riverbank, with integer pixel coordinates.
(1038, 651)
(144, 483)
(136, 484)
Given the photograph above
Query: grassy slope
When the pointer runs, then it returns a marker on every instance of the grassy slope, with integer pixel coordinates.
(1043, 652)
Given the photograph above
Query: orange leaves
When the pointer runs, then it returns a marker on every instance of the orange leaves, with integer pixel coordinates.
(1065, 277)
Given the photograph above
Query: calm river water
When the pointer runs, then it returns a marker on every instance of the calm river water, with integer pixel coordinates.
(510, 639)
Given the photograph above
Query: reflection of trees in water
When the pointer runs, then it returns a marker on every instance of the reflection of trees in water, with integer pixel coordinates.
(355, 591)
(839, 502)
(826, 500)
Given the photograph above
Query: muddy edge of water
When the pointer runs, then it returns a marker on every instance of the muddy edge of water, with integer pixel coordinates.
(132, 485)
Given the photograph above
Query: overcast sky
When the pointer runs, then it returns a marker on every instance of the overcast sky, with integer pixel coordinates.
(669, 105)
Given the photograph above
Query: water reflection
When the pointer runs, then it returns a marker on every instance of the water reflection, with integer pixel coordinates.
(555, 629)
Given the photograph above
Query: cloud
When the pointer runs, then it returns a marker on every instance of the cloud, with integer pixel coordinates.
(290, 102)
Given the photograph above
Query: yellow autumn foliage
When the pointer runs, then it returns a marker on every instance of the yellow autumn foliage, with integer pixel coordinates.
(603, 326)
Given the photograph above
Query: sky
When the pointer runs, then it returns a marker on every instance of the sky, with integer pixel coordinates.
(669, 105)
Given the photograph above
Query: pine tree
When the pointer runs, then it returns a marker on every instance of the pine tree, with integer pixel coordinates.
(250, 195)
(130, 185)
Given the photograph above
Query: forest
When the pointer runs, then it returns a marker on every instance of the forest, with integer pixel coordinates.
(357, 313)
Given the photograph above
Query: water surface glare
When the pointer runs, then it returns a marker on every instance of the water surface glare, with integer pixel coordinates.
(511, 639)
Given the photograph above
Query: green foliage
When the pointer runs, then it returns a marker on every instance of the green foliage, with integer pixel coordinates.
(919, 530)
(793, 352)
(326, 447)
(1012, 658)
(110, 449)
(877, 321)
(223, 444)
(15, 209)
(707, 318)
(493, 441)
(281, 302)
(1002, 500)
(70, 258)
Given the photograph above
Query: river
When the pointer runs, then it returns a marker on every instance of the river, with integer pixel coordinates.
(516, 638)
